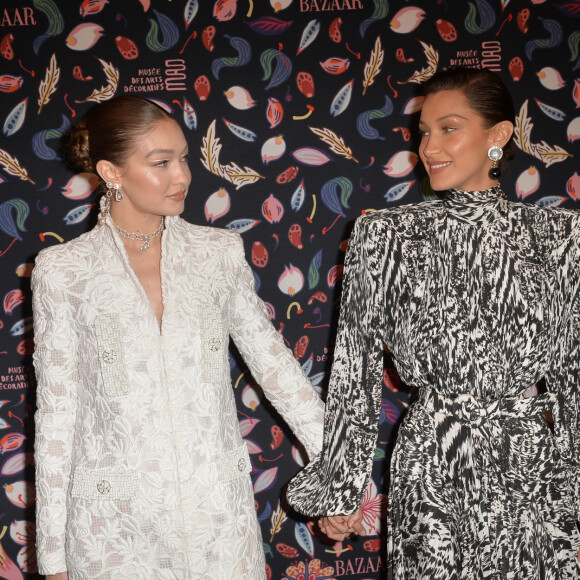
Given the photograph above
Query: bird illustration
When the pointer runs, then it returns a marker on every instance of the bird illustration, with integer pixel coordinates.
(551, 78)
(240, 98)
(217, 205)
(273, 149)
(84, 36)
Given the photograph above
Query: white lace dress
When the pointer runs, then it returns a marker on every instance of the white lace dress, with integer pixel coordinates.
(141, 469)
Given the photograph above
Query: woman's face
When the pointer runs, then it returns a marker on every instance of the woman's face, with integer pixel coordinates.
(156, 176)
(454, 143)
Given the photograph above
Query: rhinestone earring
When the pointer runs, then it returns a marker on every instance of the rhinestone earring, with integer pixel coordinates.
(118, 192)
(107, 209)
(495, 153)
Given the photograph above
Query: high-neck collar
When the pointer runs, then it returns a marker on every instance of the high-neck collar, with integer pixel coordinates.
(458, 196)
(474, 207)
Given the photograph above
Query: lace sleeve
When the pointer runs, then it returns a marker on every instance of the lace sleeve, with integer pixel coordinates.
(271, 363)
(55, 363)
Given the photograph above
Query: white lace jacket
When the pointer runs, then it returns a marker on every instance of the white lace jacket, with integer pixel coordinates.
(141, 469)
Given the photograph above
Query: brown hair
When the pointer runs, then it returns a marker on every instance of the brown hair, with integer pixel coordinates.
(111, 131)
(486, 94)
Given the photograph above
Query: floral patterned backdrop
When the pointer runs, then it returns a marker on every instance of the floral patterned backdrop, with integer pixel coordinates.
(300, 115)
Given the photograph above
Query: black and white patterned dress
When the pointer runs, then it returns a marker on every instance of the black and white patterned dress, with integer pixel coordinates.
(477, 299)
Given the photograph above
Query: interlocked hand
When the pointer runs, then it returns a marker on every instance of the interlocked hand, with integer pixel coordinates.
(339, 527)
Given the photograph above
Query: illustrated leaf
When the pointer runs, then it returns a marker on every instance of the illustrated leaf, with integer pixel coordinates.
(15, 118)
(304, 538)
(55, 22)
(311, 156)
(329, 195)
(269, 25)
(380, 12)
(427, 72)
(373, 66)
(246, 425)
(547, 154)
(266, 513)
(298, 197)
(241, 176)
(309, 35)
(341, 100)
(49, 84)
(108, 91)
(240, 132)
(12, 166)
(278, 518)
(550, 154)
(313, 270)
(210, 151)
(523, 129)
(189, 12)
(336, 143)
(8, 224)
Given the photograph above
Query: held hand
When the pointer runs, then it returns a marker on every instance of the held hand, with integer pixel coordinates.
(59, 576)
(339, 527)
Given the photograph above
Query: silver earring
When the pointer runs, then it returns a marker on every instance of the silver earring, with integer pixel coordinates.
(495, 153)
(118, 192)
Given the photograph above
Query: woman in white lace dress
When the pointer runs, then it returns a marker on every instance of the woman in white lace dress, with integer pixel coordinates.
(142, 472)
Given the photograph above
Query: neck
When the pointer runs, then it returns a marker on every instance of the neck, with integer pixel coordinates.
(135, 222)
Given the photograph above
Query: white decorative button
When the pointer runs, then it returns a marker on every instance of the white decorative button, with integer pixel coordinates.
(241, 464)
(103, 487)
(214, 344)
(109, 356)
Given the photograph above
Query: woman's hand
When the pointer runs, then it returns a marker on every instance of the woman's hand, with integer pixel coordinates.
(339, 527)
(59, 576)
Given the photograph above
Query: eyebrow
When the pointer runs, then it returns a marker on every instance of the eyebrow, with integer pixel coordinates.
(438, 120)
(163, 152)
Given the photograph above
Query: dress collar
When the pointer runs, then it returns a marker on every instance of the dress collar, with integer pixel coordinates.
(460, 197)
(474, 207)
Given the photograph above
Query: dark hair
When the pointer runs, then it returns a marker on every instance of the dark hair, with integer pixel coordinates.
(486, 94)
(111, 131)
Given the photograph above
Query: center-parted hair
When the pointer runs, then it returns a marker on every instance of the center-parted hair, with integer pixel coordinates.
(112, 131)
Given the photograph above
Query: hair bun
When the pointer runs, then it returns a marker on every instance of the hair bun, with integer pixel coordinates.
(77, 151)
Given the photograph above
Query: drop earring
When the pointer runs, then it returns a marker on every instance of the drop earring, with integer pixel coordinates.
(118, 192)
(495, 153)
(107, 206)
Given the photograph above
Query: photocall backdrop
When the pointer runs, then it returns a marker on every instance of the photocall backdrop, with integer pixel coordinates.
(300, 116)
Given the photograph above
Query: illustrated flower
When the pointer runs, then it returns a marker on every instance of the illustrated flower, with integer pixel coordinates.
(309, 570)
(373, 507)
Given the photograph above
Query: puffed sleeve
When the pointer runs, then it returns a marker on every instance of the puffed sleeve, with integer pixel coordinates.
(564, 376)
(335, 482)
(271, 363)
(55, 363)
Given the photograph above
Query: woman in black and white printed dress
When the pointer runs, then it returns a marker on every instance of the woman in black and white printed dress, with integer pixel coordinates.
(477, 300)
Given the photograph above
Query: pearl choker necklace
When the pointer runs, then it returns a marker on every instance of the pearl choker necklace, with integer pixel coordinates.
(145, 246)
